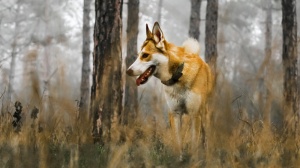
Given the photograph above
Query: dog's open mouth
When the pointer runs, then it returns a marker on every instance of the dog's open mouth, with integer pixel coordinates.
(142, 79)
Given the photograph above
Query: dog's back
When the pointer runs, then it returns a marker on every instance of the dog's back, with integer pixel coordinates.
(195, 84)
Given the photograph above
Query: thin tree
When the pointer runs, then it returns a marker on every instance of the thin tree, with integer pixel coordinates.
(47, 107)
(106, 92)
(131, 95)
(211, 33)
(13, 53)
(160, 3)
(211, 52)
(194, 30)
(265, 97)
(290, 61)
(85, 70)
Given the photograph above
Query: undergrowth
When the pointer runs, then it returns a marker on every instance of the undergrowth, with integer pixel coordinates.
(234, 138)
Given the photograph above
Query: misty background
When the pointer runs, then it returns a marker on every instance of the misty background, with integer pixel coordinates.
(41, 57)
(40, 41)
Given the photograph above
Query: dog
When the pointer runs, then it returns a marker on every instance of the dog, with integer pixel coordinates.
(187, 79)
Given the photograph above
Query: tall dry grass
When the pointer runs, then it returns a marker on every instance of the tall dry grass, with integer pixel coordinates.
(235, 136)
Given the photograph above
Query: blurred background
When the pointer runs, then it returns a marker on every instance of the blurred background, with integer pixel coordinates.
(45, 38)
(41, 59)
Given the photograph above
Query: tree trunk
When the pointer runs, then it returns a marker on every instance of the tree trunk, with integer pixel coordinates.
(266, 97)
(263, 73)
(46, 65)
(106, 93)
(12, 70)
(85, 70)
(13, 54)
(160, 3)
(194, 30)
(289, 59)
(131, 95)
(211, 33)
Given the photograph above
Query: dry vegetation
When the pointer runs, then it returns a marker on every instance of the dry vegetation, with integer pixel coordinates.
(234, 138)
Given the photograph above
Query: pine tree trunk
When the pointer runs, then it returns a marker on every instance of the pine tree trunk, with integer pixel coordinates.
(290, 61)
(106, 92)
(265, 95)
(194, 30)
(211, 33)
(131, 95)
(85, 71)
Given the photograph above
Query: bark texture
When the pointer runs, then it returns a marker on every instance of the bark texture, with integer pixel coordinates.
(265, 94)
(194, 30)
(106, 92)
(85, 70)
(131, 95)
(211, 34)
(290, 60)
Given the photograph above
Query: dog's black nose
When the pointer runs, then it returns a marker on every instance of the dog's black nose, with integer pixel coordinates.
(129, 72)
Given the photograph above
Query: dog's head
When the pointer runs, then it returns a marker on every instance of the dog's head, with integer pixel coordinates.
(150, 57)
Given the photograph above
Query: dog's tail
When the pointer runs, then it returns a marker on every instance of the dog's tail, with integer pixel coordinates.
(191, 45)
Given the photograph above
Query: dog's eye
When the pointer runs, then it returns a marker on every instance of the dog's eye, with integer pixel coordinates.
(145, 55)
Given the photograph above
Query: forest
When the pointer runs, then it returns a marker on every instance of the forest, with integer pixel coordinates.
(66, 100)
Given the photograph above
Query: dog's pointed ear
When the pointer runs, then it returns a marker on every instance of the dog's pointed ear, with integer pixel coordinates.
(158, 36)
(148, 32)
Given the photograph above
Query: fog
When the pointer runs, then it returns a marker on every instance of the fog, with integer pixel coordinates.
(41, 61)
(45, 38)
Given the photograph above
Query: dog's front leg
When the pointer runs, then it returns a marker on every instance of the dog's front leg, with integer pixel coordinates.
(196, 126)
(175, 122)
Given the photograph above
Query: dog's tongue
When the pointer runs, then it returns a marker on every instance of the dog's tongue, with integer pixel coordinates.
(142, 79)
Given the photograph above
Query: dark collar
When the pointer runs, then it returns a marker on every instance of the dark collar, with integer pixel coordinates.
(175, 76)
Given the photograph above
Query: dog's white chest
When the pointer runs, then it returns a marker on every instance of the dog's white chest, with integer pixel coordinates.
(176, 98)
(181, 100)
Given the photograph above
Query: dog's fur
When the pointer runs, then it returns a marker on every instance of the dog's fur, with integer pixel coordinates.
(188, 92)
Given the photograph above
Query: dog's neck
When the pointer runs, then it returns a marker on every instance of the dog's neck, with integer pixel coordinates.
(169, 72)
(175, 76)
